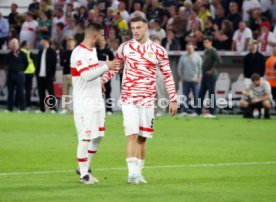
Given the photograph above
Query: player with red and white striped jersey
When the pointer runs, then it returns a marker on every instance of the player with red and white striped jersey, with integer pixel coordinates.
(88, 104)
(140, 58)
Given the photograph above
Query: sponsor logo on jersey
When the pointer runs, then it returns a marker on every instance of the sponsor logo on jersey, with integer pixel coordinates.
(79, 63)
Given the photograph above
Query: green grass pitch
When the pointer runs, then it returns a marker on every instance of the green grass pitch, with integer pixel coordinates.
(188, 160)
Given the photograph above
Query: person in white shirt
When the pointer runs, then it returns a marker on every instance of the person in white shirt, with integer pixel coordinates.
(88, 103)
(114, 4)
(266, 39)
(157, 30)
(248, 7)
(28, 30)
(123, 11)
(241, 38)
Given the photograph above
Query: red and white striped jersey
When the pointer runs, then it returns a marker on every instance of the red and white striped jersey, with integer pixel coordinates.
(140, 66)
(86, 78)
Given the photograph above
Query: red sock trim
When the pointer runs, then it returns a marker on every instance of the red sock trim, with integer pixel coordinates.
(82, 159)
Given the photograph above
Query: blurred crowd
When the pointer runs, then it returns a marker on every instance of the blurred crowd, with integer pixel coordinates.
(231, 23)
(55, 27)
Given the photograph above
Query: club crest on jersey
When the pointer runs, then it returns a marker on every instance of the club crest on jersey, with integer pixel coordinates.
(79, 63)
(150, 54)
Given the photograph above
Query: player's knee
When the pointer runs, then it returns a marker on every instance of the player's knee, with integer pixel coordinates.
(266, 104)
(132, 137)
(141, 139)
(243, 104)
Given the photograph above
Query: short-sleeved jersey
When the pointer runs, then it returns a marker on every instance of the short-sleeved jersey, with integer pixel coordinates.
(86, 94)
(140, 66)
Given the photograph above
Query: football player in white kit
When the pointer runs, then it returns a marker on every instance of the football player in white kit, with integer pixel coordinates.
(88, 104)
(140, 58)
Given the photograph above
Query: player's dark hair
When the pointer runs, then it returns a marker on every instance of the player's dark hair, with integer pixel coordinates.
(23, 43)
(208, 38)
(139, 19)
(255, 77)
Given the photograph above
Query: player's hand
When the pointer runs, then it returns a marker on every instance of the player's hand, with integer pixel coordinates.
(118, 65)
(173, 108)
(103, 88)
(110, 64)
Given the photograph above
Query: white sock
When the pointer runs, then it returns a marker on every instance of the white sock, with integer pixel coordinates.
(140, 166)
(92, 149)
(82, 157)
(132, 166)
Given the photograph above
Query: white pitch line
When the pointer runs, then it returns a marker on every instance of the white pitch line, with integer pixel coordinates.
(149, 167)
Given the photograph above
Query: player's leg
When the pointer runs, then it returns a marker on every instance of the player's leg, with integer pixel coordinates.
(146, 131)
(84, 130)
(267, 106)
(131, 125)
(201, 95)
(99, 127)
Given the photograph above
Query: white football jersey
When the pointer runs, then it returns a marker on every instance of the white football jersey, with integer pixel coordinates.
(86, 80)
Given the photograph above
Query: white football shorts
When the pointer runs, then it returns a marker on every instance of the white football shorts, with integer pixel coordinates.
(90, 125)
(138, 120)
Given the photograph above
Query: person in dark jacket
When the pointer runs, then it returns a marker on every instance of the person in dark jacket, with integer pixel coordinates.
(209, 77)
(45, 72)
(65, 63)
(103, 51)
(254, 61)
(17, 63)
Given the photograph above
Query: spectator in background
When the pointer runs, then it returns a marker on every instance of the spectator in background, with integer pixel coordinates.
(157, 30)
(92, 16)
(69, 11)
(154, 10)
(114, 4)
(17, 63)
(28, 30)
(270, 72)
(209, 77)
(266, 39)
(272, 10)
(254, 61)
(79, 36)
(248, 7)
(70, 29)
(223, 37)
(258, 95)
(44, 26)
(203, 14)
(59, 34)
(29, 72)
(45, 72)
(65, 63)
(190, 73)
(220, 16)
(183, 21)
(194, 26)
(14, 23)
(255, 22)
(123, 11)
(103, 51)
(120, 23)
(170, 43)
(34, 7)
(213, 7)
(234, 16)
(59, 18)
(137, 6)
(45, 7)
(82, 15)
(241, 38)
(4, 31)
(174, 18)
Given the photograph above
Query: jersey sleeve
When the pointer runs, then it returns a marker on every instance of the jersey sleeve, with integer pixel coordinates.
(108, 76)
(120, 53)
(164, 65)
(89, 72)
